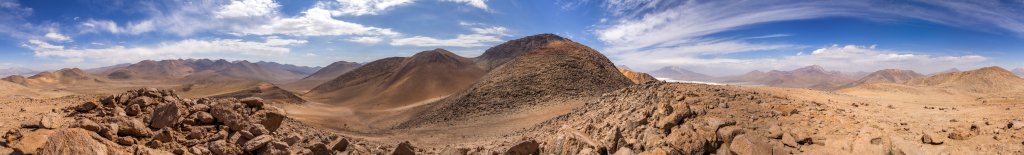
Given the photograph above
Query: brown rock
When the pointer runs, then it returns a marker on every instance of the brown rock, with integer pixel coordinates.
(118, 111)
(959, 134)
(524, 148)
(292, 139)
(320, 149)
(164, 135)
(272, 120)
(225, 113)
(788, 140)
(133, 110)
(73, 141)
(131, 127)
(624, 151)
(86, 107)
(1016, 125)
(204, 118)
(258, 130)
(775, 132)
(222, 147)
(87, 124)
(802, 138)
(252, 102)
(929, 139)
(30, 142)
(726, 134)
(200, 108)
(257, 143)
(744, 145)
(274, 148)
(405, 148)
(165, 115)
(340, 144)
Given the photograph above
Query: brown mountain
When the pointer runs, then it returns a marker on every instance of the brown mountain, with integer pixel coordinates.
(171, 70)
(679, 73)
(984, 80)
(498, 55)
(885, 76)
(399, 81)
(266, 91)
(17, 71)
(323, 75)
(814, 77)
(636, 77)
(557, 70)
(67, 76)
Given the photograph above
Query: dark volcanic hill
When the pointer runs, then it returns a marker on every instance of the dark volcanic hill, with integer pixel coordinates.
(399, 81)
(498, 55)
(323, 75)
(885, 76)
(813, 76)
(559, 69)
(679, 73)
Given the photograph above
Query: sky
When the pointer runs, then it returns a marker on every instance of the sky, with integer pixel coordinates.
(717, 37)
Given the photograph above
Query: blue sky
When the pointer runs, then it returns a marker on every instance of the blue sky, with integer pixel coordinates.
(716, 37)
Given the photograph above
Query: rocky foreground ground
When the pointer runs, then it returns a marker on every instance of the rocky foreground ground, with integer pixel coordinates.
(652, 118)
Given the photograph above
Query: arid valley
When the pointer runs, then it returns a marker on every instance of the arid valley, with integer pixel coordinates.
(539, 94)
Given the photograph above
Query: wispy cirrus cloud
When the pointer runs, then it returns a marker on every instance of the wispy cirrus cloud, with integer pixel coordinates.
(654, 33)
(189, 48)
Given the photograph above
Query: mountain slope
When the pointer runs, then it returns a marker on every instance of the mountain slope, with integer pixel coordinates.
(398, 81)
(323, 75)
(636, 77)
(560, 70)
(984, 80)
(679, 73)
(885, 76)
(498, 55)
(813, 76)
(62, 77)
(172, 70)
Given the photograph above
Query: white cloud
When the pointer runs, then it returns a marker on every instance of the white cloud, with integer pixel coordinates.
(366, 40)
(462, 40)
(314, 22)
(655, 33)
(482, 4)
(362, 7)
(57, 36)
(848, 58)
(494, 30)
(247, 8)
(190, 48)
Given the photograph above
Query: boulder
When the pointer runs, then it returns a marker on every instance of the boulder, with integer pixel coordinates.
(86, 107)
(274, 148)
(258, 130)
(340, 144)
(775, 132)
(959, 134)
(88, 124)
(30, 142)
(929, 139)
(749, 145)
(73, 141)
(166, 114)
(257, 143)
(225, 113)
(624, 151)
(164, 135)
(221, 147)
(252, 102)
(292, 139)
(524, 148)
(405, 148)
(272, 120)
(788, 140)
(204, 118)
(131, 127)
(320, 149)
(133, 110)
